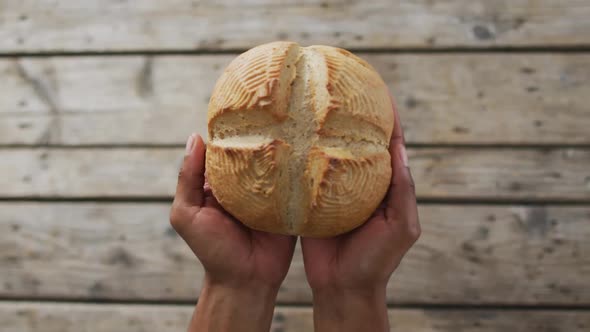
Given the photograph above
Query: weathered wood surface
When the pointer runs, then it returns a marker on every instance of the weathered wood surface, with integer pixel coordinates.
(458, 98)
(127, 251)
(440, 173)
(58, 317)
(113, 25)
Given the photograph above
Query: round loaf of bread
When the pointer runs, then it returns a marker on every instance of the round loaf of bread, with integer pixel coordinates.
(298, 139)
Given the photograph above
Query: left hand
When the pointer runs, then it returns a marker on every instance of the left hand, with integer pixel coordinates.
(239, 263)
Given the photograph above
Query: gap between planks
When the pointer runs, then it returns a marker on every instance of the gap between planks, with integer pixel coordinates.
(478, 146)
(287, 304)
(467, 201)
(408, 50)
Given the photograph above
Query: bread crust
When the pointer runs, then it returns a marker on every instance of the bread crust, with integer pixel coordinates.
(298, 139)
(253, 173)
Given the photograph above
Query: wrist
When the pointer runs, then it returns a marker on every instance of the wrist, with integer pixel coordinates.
(229, 307)
(257, 297)
(246, 290)
(346, 309)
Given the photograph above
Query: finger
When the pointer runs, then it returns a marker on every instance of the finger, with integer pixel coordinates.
(398, 133)
(206, 186)
(191, 179)
(399, 163)
(402, 209)
(401, 206)
(210, 199)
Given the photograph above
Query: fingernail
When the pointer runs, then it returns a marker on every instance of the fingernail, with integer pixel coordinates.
(189, 144)
(403, 154)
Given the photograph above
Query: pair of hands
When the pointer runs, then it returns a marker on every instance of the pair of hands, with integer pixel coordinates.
(244, 268)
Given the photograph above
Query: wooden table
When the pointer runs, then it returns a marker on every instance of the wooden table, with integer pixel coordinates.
(98, 97)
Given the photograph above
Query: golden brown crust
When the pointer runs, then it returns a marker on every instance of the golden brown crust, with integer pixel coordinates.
(298, 139)
(236, 173)
(346, 189)
(357, 94)
(255, 82)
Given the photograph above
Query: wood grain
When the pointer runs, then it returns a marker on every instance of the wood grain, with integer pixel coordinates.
(63, 317)
(440, 173)
(474, 254)
(514, 98)
(498, 174)
(65, 25)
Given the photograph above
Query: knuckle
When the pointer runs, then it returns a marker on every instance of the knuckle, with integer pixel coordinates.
(414, 231)
(176, 219)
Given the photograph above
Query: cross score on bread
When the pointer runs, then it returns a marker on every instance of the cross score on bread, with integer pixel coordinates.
(298, 139)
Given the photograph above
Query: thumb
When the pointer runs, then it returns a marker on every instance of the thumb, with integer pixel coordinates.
(191, 177)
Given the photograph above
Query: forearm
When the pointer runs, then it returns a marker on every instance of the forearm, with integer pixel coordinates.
(221, 309)
(343, 311)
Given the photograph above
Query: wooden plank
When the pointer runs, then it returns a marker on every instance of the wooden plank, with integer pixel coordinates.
(69, 317)
(452, 99)
(66, 25)
(440, 173)
(498, 174)
(468, 254)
